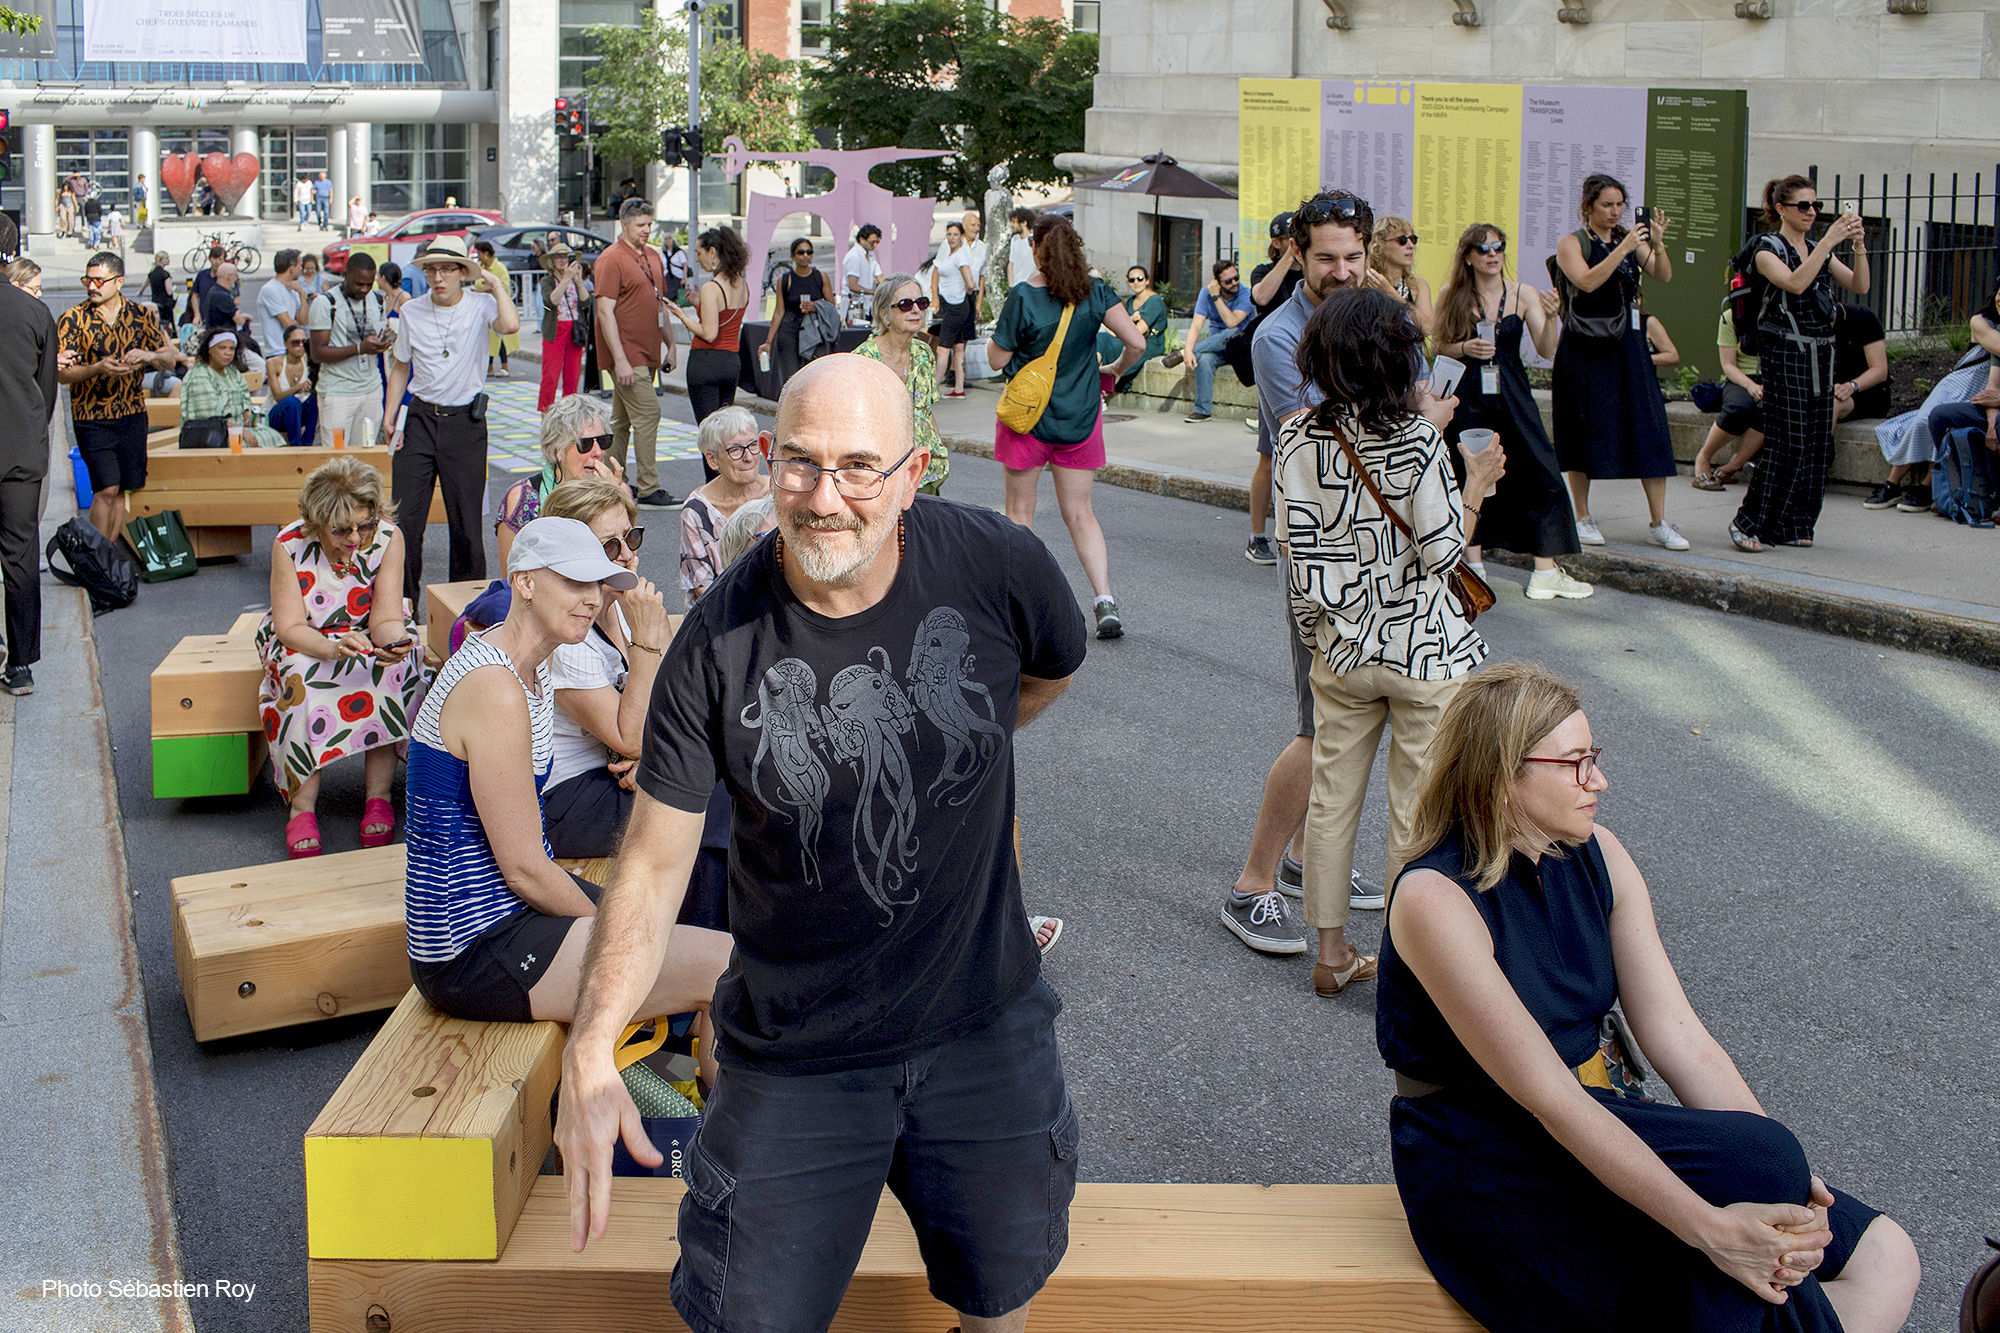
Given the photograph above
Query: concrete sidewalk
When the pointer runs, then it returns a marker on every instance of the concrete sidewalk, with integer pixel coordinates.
(1912, 581)
(87, 1231)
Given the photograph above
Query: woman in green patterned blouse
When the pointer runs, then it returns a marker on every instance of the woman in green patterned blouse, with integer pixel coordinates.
(215, 387)
(900, 306)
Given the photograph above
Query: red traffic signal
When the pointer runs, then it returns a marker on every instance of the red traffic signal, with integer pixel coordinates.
(6, 120)
(562, 115)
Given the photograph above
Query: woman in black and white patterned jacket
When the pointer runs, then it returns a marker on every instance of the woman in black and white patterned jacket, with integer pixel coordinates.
(1370, 554)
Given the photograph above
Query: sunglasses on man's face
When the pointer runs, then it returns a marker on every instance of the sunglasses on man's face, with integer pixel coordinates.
(633, 539)
(909, 303)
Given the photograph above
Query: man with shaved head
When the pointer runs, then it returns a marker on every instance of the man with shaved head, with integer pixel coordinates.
(855, 679)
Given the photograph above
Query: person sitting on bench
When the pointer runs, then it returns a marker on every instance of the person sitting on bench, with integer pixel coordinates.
(338, 677)
(1544, 1189)
(497, 930)
(575, 443)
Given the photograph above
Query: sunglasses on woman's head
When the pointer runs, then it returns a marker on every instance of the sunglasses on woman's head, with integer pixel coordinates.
(909, 303)
(633, 539)
(1491, 247)
(593, 444)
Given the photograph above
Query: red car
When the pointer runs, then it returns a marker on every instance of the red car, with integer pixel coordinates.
(405, 236)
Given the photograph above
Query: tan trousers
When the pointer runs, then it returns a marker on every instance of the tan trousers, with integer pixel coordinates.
(635, 422)
(1348, 713)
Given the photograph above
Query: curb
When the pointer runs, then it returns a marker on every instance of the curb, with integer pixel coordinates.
(1973, 642)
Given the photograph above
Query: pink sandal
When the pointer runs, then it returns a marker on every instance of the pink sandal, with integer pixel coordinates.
(302, 836)
(379, 814)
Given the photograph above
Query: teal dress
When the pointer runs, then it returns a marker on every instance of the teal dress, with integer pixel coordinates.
(1028, 325)
(1154, 311)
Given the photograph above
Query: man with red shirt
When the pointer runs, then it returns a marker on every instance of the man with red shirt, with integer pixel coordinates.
(633, 340)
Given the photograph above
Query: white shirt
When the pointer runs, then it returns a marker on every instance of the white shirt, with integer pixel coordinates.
(862, 265)
(424, 333)
(590, 665)
(951, 283)
(275, 299)
(347, 323)
(1020, 260)
(975, 258)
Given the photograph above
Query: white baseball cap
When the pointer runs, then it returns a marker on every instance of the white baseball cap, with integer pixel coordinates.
(571, 549)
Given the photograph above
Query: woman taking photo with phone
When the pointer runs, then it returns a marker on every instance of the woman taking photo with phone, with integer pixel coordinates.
(338, 676)
(1610, 420)
(1795, 316)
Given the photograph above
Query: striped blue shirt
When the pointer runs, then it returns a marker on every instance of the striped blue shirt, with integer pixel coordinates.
(454, 888)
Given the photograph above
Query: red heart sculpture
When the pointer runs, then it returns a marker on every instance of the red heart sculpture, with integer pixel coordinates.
(232, 177)
(177, 172)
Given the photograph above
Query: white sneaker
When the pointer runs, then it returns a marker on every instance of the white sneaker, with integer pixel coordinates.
(1587, 533)
(1545, 584)
(1250, 423)
(1477, 566)
(1667, 535)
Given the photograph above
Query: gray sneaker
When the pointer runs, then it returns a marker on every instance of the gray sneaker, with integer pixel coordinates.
(1260, 923)
(1261, 550)
(1363, 896)
(1291, 878)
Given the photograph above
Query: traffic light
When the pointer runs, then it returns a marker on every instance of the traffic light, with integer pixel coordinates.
(670, 145)
(6, 149)
(578, 118)
(691, 148)
(562, 115)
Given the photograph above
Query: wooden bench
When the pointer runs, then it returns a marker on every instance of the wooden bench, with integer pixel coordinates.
(444, 603)
(291, 942)
(1276, 1259)
(221, 495)
(431, 1144)
(208, 739)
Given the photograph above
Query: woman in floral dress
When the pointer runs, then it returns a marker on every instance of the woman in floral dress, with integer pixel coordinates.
(338, 672)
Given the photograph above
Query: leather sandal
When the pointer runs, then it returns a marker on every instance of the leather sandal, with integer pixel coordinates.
(1055, 928)
(302, 836)
(378, 813)
(1331, 981)
(1743, 541)
(1708, 481)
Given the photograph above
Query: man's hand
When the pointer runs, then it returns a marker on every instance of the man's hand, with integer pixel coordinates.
(1993, 429)
(624, 373)
(1843, 391)
(1215, 288)
(1988, 398)
(595, 1111)
(627, 772)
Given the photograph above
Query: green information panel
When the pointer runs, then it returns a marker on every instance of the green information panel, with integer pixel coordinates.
(1697, 142)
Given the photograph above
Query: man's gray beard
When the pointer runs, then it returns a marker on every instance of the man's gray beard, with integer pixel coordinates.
(823, 567)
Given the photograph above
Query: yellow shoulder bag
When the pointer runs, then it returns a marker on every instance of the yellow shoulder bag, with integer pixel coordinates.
(1027, 395)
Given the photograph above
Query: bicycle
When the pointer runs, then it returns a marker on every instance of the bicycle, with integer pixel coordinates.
(245, 257)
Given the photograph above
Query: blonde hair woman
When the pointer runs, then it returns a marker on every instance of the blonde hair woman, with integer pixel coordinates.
(1529, 1166)
(1392, 267)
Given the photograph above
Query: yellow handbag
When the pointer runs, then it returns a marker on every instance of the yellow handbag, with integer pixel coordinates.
(1027, 395)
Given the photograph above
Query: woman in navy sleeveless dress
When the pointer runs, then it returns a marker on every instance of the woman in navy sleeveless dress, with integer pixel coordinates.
(1541, 1198)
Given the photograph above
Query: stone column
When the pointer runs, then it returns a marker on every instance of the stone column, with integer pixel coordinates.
(336, 174)
(144, 150)
(40, 143)
(360, 163)
(528, 158)
(243, 139)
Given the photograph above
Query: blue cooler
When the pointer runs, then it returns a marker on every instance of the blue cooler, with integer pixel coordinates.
(84, 494)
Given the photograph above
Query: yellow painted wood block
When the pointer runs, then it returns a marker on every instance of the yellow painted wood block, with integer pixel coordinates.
(292, 942)
(430, 1146)
(1278, 1259)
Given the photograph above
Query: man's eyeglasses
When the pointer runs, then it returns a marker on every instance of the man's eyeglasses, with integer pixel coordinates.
(909, 303)
(593, 444)
(366, 531)
(801, 476)
(1491, 247)
(1410, 239)
(1585, 764)
(633, 539)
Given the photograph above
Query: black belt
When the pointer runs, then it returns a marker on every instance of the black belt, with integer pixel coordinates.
(439, 409)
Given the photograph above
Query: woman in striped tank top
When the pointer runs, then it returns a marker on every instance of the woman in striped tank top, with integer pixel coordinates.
(497, 930)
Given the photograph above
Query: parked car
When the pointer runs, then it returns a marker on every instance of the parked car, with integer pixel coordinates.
(520, 248)
(407, 234)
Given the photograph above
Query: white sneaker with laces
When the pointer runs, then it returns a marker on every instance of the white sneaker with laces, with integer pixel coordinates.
(1667, 535)
(1587, 533)
(1547, 584)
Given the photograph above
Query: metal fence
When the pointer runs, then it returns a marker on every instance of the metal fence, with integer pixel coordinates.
(1931, 244)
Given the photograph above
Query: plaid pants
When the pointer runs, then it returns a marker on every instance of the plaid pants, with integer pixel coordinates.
(1785, 495)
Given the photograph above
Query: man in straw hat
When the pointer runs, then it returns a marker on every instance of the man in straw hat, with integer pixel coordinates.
(440, 357)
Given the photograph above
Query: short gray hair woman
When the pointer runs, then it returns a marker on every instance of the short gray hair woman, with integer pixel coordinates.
(576, 442)
(728, 439)
(719, 428)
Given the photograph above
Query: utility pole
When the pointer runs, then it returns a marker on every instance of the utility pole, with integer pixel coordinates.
(694, 118)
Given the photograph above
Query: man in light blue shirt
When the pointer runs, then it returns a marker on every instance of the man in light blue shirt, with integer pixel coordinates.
(1226, 303)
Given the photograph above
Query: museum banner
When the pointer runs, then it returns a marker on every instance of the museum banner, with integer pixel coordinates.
(1279, 153)
(225, 31)
(37, 45)
(363, 32)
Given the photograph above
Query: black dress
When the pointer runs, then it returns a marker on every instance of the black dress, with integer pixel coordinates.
(1511, 1224)
(793, 287)
(1611, 421)
(1797, 359)
(1529, 511)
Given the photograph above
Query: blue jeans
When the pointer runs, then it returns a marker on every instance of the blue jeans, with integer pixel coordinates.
(319, 212)
(95, 228)
(1207, 355)
(297, 421)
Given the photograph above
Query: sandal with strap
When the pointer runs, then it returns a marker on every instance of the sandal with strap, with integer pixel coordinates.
(1054, 925)
(1329, 981)
(377, 814)
(1708, 481)
(1743, 541)
(302, 836)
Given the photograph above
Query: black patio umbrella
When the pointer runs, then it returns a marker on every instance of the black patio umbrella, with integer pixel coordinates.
(1155, 174)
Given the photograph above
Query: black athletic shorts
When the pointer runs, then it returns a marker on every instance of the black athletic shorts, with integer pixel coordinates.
(114, 451)
(490, 978)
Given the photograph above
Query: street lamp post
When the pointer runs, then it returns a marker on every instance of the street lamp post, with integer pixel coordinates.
(694, 117)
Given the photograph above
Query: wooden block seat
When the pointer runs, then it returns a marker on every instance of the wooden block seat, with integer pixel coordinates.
(208, 739)
(268, 946)
(1144, 1258)
(217, 488)
(444, 603)
(431, 1144)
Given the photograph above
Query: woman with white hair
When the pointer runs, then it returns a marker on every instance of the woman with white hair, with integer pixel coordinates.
(728, 441)
(576, 442)
(900, 311)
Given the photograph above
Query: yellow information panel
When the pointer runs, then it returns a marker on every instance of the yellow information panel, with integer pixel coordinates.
(1278, 152)
(1468, 166)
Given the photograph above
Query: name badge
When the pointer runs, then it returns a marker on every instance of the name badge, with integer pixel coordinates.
(1635, 319)
(1489, 379)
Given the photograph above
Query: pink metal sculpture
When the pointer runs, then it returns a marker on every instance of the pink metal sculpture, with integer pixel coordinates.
(905, 223)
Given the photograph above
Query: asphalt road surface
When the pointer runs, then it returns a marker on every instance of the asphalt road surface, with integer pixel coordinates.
(1813, 816)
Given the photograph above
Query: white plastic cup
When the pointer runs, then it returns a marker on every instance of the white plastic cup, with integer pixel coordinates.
(1475, 441)
(1446, 372)
(1484, 329)
(339, 437)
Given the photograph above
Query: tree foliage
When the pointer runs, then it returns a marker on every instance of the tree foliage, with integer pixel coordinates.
(13, 20)
(954, 74)
(639, 86)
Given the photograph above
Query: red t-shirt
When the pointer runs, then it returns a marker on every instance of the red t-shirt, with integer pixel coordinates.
(636, 283)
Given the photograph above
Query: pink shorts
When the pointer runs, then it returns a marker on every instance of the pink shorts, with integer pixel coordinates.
(1012, 449)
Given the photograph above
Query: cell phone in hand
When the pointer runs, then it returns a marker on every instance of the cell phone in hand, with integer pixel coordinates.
(1643, 216)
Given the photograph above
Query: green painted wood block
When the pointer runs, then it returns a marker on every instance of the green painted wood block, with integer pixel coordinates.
(205, 765)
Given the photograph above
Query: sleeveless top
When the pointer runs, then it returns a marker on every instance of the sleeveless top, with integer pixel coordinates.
(454, 888)
(795, 286)
(727, 328)
(1551, 926)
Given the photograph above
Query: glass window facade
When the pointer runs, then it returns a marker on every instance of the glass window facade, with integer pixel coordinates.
(1083, 15)
(576, 51)
(419, 166)
(813, 16)
(100, 156)
(288, 153)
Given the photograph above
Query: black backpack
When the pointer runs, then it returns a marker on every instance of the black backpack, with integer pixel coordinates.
(1749, 291)
(95, 565)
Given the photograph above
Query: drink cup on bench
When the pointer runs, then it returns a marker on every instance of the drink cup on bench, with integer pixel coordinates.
(235, 437)
(339, 437)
